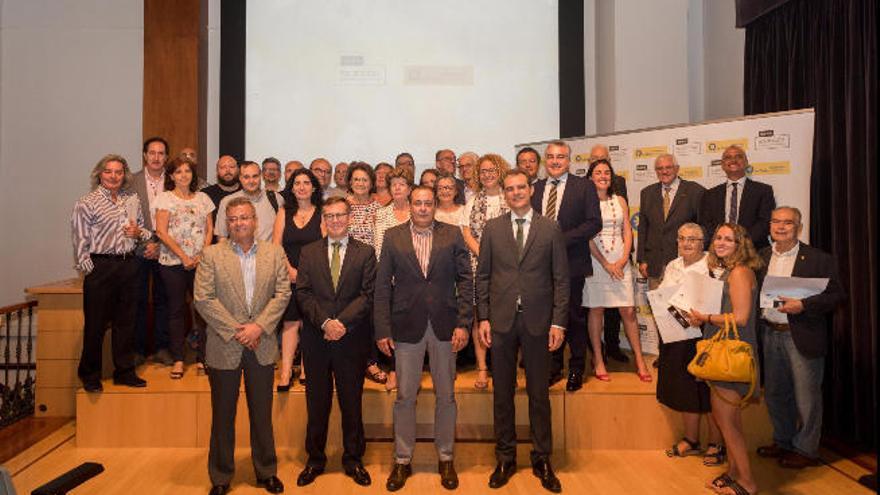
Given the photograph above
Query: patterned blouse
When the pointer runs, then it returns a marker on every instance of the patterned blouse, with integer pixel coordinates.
(363, 220)
(385, 219)
(187, 222)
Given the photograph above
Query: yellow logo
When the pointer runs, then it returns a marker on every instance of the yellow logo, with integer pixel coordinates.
(582, 157)
(690, 173)
(771, 168)
(649, 152)
(718, 145)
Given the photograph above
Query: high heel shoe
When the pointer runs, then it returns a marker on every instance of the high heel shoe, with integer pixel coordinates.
(482, 384)
(647, 378)
(283, 388)
(602, 377)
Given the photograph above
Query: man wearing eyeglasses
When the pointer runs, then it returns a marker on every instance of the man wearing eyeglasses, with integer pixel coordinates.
(324, 173)
(738, 199)
(334, 289)
(241, 290)
(664, 207)
(265, 202)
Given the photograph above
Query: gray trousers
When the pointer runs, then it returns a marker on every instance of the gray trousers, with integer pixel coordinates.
(408, 359)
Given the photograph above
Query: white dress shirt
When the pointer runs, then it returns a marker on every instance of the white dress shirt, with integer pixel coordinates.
(342, 248)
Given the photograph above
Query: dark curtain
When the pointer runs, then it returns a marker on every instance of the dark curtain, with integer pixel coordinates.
(823, 54)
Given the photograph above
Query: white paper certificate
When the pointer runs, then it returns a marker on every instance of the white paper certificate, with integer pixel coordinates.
(668, 327)
(796, 287)
(699, 292)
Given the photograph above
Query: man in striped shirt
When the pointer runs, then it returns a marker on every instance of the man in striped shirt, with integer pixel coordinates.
(105, 227)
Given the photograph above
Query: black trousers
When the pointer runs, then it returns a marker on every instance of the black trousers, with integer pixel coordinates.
(178, 283)
(225, 384)
(576, 332)
(109, 297)
(150, 287)
(346, 361)
(536, 359)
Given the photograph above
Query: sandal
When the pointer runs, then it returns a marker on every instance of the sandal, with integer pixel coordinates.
(176, 375)
(736, 488)
(375, 373)
(721, 481)
(716, 458)
(200, 369)
(482, 384)
(693, 448)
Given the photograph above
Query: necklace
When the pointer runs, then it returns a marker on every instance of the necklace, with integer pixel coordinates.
(607, 249)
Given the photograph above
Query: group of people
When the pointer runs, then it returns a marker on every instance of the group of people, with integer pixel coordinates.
(376, 266)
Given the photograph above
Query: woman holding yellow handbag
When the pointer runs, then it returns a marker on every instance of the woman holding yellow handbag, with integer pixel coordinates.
(733, 259)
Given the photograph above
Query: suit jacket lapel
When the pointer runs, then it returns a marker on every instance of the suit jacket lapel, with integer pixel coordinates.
(436, 242)
(680, 194)
(800, 264)
(232, 266)
(530, 238)
(409, 251)
(347, 261)
(261, 267)
(324, 264)
(538, 196)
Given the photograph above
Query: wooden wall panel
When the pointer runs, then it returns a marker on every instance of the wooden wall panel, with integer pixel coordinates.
(171, 73)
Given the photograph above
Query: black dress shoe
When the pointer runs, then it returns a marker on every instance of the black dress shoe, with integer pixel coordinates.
(131, 380)
(272, 484)
(308, 475)
(219, 490)
(358, 474)
(93, 387)
(448, 476)
(398, 476)
(503, 472)
(575, 381)
(283, 388)
(555, 378)
(544, 472)
(616, 354)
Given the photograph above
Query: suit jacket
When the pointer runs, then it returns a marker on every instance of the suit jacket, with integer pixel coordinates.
(219, 296)
(539, 277)
(755, 206)
(139, 185)
(809, 329)
(579, 219)
(657, 243)
(406, 299)
(351, 301)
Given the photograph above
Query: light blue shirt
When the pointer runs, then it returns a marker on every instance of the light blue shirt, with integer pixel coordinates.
(248, 262)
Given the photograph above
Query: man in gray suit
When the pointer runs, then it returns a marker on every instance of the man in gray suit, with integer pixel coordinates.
(664, 207)
(522, 302)
(423, 303)
(241, 290)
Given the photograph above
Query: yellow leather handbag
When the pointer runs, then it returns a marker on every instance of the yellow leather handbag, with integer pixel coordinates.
(725, 358)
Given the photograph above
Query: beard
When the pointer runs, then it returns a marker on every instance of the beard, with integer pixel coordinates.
(227, 183)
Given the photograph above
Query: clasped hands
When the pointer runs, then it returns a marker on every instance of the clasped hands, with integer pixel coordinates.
(248, 335)
(615, 270)
(334, 330)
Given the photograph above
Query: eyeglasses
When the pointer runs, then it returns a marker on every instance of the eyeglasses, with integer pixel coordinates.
(334, 216)
(445, 188)
(690, 239)
(243, 218)
(488, 171)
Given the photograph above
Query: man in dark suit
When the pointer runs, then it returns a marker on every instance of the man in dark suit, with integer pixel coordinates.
(664, 207)
(423, 303)
(611, 321)
(572, 202)
(738, 200)
(522, 302)
(795, 339)
(334, 289)
(241, 290)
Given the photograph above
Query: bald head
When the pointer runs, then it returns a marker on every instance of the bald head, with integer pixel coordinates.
(599, 152)
(322, 170)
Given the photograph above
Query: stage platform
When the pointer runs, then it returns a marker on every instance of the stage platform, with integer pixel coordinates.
(620, 414)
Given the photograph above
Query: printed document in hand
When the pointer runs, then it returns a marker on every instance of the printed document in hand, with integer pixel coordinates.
(699, 292)
(796, 287)
(669, 328)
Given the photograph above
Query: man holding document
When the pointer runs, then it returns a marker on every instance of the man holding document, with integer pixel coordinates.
(795, 338)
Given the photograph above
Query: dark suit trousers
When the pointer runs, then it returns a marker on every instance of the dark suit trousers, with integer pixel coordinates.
(346, 360)
(109, 296)
(536, 359)
(151, 290)
(225, 385)
(576, 332)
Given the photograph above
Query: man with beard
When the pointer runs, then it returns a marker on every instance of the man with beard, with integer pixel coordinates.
(265, 202)
(227, 180)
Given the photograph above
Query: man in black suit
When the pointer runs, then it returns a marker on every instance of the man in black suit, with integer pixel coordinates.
(424, 298)
(611, 321)
(572, 202)
(522, 302)
(738, 200)
(795, 341)
(335, 292)
(664, 207)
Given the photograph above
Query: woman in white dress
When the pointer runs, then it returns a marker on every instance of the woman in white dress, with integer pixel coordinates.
(611, 285)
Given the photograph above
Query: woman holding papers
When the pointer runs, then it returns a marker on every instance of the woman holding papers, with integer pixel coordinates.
(676, 388)
(732, 258)
(611, 285)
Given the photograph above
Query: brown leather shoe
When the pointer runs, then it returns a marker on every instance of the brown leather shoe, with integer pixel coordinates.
(771, 451)
(793, 460)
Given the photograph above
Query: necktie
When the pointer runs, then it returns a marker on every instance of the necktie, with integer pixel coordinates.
(519, 234)
(551, 200)
(334, 264)
(734, 213)
(666, 201)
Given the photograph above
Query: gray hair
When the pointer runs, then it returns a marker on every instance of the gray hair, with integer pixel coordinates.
(691, 226)
(666, 155)
(95, 176)
(797, 212)
(240, 201)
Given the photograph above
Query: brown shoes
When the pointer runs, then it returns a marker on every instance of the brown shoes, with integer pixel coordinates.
(793, 460)
(771, 451)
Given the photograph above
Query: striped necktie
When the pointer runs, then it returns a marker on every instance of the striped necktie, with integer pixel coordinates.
(734, 204)
(551, 200)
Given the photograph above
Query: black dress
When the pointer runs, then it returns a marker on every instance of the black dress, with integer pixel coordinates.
(293, 240)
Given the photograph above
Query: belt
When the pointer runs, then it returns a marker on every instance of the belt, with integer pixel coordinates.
(122, 256)
(779, 327)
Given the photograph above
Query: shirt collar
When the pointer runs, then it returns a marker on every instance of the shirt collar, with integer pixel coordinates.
(343, 242)
(417, 231)
(562, 178)
(673, 186)
(791, 252)
(741, 181)
(527, 216)
(239, 251)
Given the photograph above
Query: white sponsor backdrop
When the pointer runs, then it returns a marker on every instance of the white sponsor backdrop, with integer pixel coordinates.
(779, 147)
